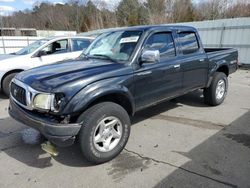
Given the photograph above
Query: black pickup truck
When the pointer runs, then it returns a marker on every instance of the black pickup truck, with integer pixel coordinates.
(92, 98)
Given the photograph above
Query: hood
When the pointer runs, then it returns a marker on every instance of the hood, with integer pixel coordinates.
(71, 76)
(6, 56)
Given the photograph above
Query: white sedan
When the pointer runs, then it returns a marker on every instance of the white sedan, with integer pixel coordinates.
(41, 52)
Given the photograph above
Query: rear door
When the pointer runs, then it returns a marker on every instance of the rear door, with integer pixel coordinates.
(157, 81)
(194, 62)
(78, 45)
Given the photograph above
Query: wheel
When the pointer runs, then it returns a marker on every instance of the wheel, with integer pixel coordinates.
(104, 133)
(6, 84)
(216, 93)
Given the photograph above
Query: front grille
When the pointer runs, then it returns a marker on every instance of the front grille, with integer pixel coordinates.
(18, 93)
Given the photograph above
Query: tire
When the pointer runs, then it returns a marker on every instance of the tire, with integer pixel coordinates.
(93, 119)
(6, 84)
(213, 98)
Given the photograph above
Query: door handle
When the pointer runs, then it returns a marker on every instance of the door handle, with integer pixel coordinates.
(177, 66)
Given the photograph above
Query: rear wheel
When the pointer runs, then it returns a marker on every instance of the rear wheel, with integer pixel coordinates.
(104, 133)
(217, 91)
(6, 84)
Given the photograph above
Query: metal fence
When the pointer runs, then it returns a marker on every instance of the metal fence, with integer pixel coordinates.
(226, 33)
(10, 44)
(13, 44)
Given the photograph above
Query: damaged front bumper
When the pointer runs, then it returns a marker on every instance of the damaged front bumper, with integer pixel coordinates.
(57, 133)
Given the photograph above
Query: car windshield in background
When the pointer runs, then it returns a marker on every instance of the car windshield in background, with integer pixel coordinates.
(116, 46)
(31, 48)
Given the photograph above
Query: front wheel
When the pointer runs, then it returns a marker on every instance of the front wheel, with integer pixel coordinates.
(104, 133)
(216, 93)
(6, 83)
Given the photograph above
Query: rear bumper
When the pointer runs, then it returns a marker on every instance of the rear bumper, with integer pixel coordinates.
(58, 134)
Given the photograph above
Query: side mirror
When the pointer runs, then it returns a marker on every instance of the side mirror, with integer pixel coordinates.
(150, 56)
(41, 53)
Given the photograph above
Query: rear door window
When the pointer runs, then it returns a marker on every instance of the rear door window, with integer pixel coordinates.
(189, 42)
(80, 44)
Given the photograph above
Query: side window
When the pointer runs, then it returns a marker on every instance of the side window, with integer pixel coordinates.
(60, 46)
(189, 43)
(80, 44)
(163, 42)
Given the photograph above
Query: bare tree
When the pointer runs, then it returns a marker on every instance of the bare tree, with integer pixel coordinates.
(85, 15)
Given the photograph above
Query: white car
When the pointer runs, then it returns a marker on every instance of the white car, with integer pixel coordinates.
(41, 52)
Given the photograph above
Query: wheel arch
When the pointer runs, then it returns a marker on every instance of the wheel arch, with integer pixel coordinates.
(117, 97)
(85, 99)
(224, 69)
(8, 73)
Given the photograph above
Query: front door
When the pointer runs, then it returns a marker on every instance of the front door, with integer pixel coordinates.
(53, 52)
(157, 81)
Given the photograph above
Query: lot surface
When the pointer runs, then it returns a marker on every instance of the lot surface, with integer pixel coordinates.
(180, 143)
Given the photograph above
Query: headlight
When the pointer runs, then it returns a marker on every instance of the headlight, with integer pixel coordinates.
(46, 101)
(43, 101)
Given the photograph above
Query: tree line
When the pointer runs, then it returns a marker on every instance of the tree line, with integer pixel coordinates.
(86, 15)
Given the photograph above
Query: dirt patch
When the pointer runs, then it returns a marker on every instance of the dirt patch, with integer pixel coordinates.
(191, 122)
(126, 163)
(212, 170)
(240, 138)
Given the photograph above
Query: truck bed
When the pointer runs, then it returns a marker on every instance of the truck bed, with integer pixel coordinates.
(210, 50)
(227, 56)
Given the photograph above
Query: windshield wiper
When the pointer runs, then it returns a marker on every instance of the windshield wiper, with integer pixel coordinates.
(83, 56)
(105, 56)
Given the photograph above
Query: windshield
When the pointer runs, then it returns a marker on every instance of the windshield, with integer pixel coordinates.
(116, 46)
(32, 47)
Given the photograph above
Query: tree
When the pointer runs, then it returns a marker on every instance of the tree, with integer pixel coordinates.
(159, 11)
(212, 9)
(183, 11)
(85, 15)
(241, 9)
(129, 12)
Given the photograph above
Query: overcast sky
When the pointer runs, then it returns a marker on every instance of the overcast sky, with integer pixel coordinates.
(8, 6)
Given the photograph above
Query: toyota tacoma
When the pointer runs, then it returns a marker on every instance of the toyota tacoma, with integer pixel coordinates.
(91, 99)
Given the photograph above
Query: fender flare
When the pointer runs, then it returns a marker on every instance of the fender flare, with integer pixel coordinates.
(92, 93)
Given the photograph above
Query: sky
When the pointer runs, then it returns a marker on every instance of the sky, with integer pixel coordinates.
(8, 6)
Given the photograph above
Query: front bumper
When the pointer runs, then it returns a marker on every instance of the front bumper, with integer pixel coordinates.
(57, 133)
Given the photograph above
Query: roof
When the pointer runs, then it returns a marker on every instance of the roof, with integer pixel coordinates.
(140, 27)
(149, 27)
(67, 37)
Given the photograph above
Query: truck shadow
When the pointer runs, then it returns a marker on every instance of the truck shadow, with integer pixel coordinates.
(194, 99)
(12, 144)
(2, 96)
(220, 161)
(71, 156)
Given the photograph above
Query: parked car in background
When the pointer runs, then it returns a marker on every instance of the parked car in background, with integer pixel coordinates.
(40, 52)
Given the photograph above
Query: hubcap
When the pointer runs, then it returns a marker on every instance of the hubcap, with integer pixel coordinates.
(220, 89)
(107, 134)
